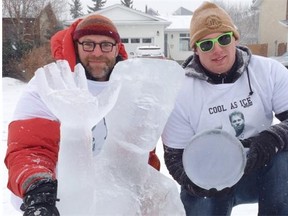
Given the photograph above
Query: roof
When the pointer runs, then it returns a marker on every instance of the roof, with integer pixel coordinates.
(152, 12)
(122, 15)
(182, 11)
(284, 22)
(179, 23)
(256, 3)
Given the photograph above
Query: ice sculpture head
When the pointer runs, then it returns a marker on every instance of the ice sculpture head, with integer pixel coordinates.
(149, 88)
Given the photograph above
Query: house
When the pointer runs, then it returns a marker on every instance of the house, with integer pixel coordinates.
(26, 30)
(177, 37)
(183, 11)
(47, 23)
(136, 28)
(273, 25)
(151, 11)
(34, 30)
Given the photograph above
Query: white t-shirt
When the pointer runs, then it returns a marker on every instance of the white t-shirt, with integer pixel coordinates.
(201, 105)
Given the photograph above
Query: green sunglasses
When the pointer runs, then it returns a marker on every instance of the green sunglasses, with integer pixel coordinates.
(208, 44)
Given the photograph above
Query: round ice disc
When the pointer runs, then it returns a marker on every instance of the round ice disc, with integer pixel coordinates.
(214, 159)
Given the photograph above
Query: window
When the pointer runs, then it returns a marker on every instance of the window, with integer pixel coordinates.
(184, 42)
(147, 40)
(135, 40)
(124, 40)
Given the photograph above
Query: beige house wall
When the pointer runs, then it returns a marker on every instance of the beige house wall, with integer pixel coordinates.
(270, 29)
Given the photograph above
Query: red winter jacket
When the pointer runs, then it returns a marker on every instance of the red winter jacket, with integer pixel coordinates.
(33, 144)
(32, 153)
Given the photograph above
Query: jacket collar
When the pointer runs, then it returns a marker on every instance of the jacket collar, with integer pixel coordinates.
(194, 68)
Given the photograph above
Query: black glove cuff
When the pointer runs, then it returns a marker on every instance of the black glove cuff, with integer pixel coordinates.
(42, 209)
(43, 191)
(194, 190)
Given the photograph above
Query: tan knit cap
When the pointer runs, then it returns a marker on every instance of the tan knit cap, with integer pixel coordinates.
(210, 18)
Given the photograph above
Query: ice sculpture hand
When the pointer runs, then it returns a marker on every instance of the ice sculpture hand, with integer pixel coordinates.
(66, 94)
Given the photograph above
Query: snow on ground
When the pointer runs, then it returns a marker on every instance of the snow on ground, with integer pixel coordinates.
(11, 90)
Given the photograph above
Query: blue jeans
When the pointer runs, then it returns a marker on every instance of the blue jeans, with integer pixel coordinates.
(267, 186)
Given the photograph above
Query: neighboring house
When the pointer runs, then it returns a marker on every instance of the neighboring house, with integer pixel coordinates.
(183, 11)
(151, 11)
(177, 37)
(136, 28)
(32, 30)
(48, 23)
(14, 29)
(273, 28)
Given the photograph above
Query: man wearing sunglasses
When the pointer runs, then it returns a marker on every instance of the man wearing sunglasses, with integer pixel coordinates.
(223, 77)
(34, 133)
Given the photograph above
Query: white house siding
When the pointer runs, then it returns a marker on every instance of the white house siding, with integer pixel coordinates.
(132, 23)
(173, 47)
(136, 25)
(180, 25)
(130, 31)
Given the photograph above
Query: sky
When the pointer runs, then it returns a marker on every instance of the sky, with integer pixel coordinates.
(164, 7)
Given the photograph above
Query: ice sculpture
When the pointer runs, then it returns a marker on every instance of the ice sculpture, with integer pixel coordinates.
(118, 181)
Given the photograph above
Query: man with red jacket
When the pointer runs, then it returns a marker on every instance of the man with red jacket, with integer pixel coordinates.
(34, 133)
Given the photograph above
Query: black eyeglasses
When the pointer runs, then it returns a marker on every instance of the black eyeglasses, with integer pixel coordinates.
(89, 46)
(208, 44)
